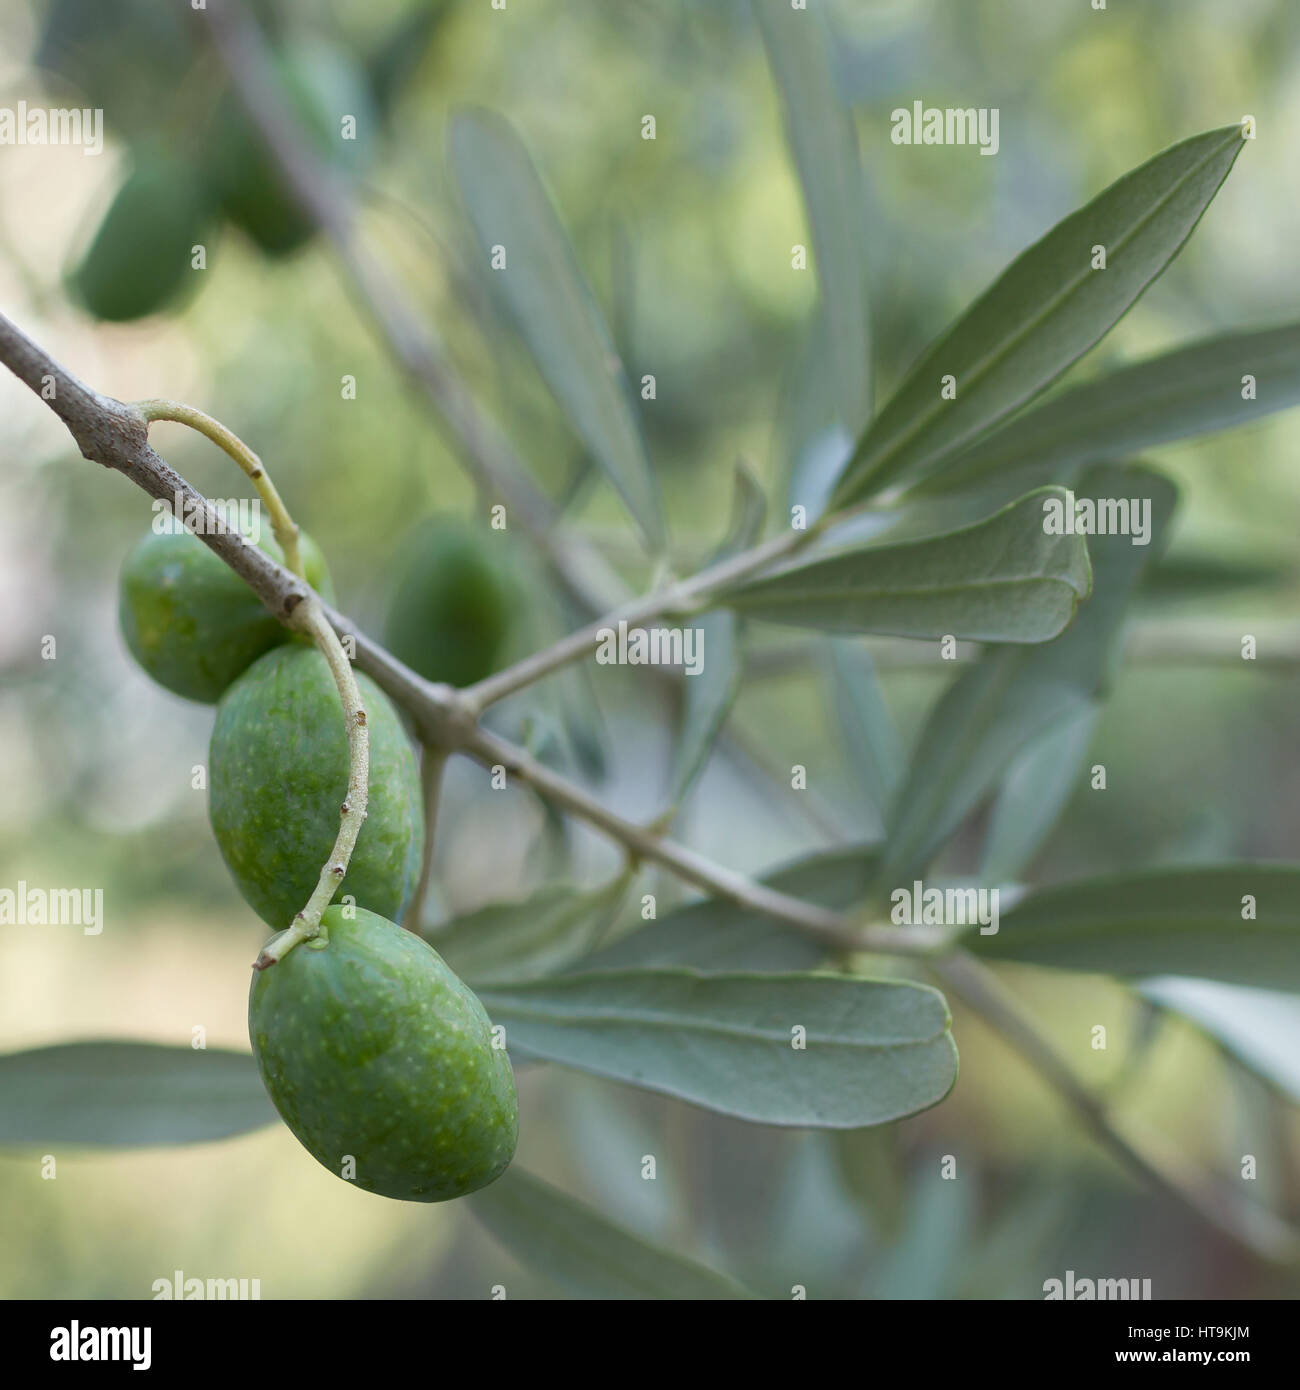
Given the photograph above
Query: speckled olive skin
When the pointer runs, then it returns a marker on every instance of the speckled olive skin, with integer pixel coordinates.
(278, 766)
(188, 618)
(452, 609)
(371, 1048)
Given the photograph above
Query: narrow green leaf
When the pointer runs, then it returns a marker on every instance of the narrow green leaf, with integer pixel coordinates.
(875, 1049)
(584, 1252)
(1175, 921)
(1012, 696)
(870, 1164)
(111, 1094)
(1038, 784)
(709, 694)
(714, 934)
(552, 306)
(545, 931)
(870, 734)
(823, 141)
(1258, 1027)
(1044, 312)
(707, 699)
(1003, 580)
(1205, 575)
(1191, 391)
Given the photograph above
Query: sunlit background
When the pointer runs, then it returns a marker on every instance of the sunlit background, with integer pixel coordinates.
(686, 242)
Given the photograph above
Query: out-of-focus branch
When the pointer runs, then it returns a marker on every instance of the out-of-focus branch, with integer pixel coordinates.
(1244, 1223)
(327, 201)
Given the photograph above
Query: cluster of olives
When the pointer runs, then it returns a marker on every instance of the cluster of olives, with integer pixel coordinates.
(141, 257)
(378, 1058)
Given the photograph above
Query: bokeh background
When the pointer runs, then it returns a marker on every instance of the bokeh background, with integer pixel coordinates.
(686, 241)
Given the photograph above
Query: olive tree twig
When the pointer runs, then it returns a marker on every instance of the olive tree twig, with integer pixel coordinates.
(309, 617)
(327, 202)
(282, 524)
(111, 433)
(494, 465)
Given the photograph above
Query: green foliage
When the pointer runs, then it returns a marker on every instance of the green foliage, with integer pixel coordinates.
(1190, 391)
(139, 260)
(870, 1051)
(823, 143)
(1012, 696)
(586, 1254)
(552, 305)
(279, 772)
(1003, 580)
(1239, 923)
(455, 602)
(321, 84)
(107, 1094)
(1044, 312)
(382, 1062)
(190, 621)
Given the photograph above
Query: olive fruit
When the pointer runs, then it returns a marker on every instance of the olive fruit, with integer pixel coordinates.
(381, 1061)
(452, 610)
(278, 769)
(322, 85)
(139, 259)
(191, 621)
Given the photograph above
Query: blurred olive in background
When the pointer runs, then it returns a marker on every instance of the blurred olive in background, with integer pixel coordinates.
(139, 260)
(324, 87)
(452, 611)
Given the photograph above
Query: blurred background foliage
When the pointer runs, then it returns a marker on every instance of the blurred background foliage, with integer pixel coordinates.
(686, 241)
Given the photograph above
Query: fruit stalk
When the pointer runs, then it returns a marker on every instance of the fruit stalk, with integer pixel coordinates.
(283, 525)
(309, 617)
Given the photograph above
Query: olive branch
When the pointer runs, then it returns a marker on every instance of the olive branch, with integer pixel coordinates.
(115, 434)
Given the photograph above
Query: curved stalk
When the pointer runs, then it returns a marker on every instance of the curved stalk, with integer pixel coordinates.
(283, 525)
(309, 617)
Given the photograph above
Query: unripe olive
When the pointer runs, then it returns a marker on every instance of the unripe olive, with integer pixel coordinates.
(454, 603)
(140, 258)
(278, 769)
(382, 1062)
(323, 86)
(191, 621)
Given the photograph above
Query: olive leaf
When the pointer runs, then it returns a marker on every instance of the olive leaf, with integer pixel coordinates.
(1168, 921)
(828, 1051)
(1004, 580)
(111, 1094)
(1258, 1027)
(823, 142)
(1013, 695)
(552, 305)
(709, 694)
(1194, 390)
(870, 734)
(715, 934)
(543, 932)
(1042, 314)
(1037, 786)
(585, 1253)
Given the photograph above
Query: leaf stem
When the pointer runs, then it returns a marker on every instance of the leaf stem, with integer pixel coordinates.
(684, 596)
(309, 617)
(282, 524)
